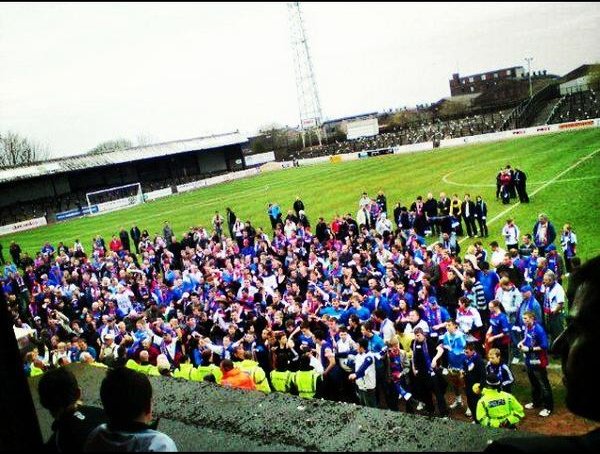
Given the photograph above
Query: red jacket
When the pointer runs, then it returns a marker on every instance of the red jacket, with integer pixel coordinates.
(116, 245)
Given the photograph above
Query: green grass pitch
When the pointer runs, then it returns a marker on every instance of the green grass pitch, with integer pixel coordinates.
(563, 171)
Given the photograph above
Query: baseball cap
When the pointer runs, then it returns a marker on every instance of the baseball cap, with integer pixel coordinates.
(551, 248)
(492, 379)
(526, 288)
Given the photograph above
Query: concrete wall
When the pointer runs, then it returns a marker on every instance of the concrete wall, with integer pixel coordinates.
(206, 417)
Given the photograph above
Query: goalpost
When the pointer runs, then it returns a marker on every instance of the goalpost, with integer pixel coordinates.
(116, 198)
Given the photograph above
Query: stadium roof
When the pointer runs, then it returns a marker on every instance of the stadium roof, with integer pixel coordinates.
(80, 162)
(351, 117)
(580, 71)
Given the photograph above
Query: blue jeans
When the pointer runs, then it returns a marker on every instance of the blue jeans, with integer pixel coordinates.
(515, 336)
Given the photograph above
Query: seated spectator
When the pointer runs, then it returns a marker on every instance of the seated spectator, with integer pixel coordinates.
(60, 394)
(127, 399)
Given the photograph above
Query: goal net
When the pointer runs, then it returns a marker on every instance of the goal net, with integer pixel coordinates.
(116, 198)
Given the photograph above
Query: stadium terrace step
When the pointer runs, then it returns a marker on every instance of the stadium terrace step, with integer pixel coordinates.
(203, 416)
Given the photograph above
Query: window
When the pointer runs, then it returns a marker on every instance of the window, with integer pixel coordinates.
(495, 75)
(508, 72)
(471, 79)
(483, 77)
(472, 89)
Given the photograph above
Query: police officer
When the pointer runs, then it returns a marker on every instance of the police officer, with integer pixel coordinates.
(498, 408)
(576, 345)
(307, 380)
(281, 378)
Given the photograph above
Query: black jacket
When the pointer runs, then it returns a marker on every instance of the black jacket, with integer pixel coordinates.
(480, 210)
(70, 432)
(382, 202)
(444, 207)
(135, 234)
(322, 232)
(298, 205)
(231, 217)
(463, 207)
(431, 207)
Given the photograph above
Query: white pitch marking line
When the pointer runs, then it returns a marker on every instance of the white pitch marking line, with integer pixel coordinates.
(549, 182)
(566, 180)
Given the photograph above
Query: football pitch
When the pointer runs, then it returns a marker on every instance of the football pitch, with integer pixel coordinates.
(563, 181)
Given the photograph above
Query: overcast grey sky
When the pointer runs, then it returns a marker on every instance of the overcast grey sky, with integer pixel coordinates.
(74, 75)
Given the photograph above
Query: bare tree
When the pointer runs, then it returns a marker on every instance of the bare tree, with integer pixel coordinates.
(111, 145)
(453, 109)
(16, 150)
(144, 140)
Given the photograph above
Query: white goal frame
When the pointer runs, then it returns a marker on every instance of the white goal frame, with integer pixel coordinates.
(118, 204)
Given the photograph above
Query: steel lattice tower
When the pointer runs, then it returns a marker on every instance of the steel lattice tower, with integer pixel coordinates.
(306, 85)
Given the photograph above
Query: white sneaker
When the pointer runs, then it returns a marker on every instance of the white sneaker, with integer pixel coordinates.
(515, 360)
(529, 406)
(407, 396)
(468, 413)
(421, 406)
(456, 403)
(544, 413)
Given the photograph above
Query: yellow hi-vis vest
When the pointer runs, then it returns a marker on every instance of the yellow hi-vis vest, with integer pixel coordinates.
(498, 409)
(131, 364)
(281, 380)
(256, 373)
(306, 382)
(184, 371)
(35, 371)
(200, 372)
(148, 369)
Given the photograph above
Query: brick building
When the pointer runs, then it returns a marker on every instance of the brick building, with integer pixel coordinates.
(479, 83)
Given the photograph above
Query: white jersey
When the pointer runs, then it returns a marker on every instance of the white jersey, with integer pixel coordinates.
(554, 296)
(510, 234)
(368, 381)
(345, 347)
(387, 330)
(511, 299)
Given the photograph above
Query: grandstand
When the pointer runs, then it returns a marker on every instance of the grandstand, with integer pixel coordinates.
(575, 106)
(51, 187)
(573, 97)
(56, 186)
(425, 130)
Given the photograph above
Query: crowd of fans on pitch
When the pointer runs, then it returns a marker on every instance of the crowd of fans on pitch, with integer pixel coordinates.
(357, 309)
